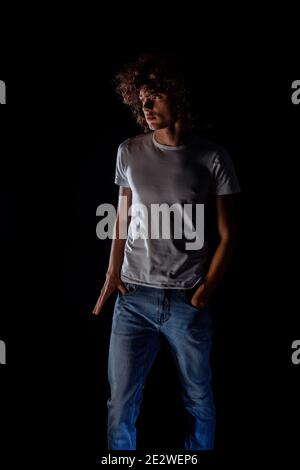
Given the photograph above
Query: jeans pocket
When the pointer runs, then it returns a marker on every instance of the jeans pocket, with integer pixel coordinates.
(187, 295)
(131, 288)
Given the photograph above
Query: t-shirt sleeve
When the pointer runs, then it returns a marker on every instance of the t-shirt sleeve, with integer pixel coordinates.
(225, 180)
(121, 167)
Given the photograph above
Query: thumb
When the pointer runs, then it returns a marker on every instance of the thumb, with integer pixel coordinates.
(122, 288)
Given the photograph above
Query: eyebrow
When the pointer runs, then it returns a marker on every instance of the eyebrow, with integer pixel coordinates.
(149, 93)
(144, 96)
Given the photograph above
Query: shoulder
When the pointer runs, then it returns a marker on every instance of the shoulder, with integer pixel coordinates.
(209, 146)
(209, 151)
(135, 143)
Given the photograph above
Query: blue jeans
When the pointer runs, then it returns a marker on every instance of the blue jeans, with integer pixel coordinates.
(140, 317)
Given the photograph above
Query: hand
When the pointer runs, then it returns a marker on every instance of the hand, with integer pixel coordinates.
(112, 283)
(202, 295)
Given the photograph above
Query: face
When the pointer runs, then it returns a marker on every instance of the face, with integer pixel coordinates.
(158, 110)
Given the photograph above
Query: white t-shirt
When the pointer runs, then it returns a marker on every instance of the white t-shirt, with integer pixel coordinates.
(177, 177)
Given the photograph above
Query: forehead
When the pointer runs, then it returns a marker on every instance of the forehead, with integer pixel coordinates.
(146, 91)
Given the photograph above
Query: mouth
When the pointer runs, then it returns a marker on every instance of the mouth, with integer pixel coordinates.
(149, 117)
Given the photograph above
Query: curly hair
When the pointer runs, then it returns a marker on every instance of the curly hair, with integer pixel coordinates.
(158, 73)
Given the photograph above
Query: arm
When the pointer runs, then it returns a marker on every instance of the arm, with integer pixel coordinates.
(113, 281)
(227, 229)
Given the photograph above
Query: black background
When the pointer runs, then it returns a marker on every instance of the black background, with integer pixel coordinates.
(60, 133)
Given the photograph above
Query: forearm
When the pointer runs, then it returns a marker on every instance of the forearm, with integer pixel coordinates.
(220, 262)
(116, 252)
(113, 281)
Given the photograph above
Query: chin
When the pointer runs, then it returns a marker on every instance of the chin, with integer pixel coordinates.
(155, 126)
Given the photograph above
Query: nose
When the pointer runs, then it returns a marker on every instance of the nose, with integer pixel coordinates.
(148, 104)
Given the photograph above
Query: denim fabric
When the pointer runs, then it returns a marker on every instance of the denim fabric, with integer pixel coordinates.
(140, 318)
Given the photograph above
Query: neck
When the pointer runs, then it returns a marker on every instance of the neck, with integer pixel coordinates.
(172, 136)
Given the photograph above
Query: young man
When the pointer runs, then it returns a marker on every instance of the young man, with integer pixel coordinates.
(164, 283)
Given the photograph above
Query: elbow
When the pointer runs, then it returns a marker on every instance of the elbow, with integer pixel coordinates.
(230, 237)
